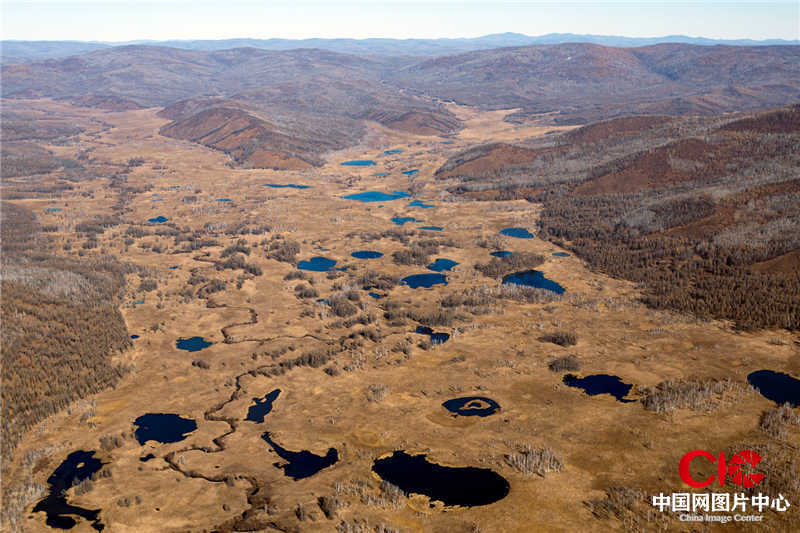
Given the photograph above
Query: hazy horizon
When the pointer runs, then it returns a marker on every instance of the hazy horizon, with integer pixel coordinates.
(125, 21)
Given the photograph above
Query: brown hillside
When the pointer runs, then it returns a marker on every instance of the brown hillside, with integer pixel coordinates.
(486, 159)
(786, 263)
(108, 102)
(249, 140)
(613, 128)
(780, 121)
(417, 122)
(678, 162)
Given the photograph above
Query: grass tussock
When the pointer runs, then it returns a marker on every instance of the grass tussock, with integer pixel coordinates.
(562, 338)
(529, 460)
(566, 363)
(697, 395)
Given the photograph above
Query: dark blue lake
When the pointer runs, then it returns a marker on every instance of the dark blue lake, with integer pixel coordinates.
(533, 278)
(420, 203)
(147, 457)
(366, 254)
(52, 210)
(163, 427)
(462, 486)
(436, 338)
(395, 151)
(317, 264)
(192, 344)
(287, 185)
(472, 406)
(431, 228)
(560, 254)
(501, 253)
(375, 196)
(442, 265)
(404, 220)
(301, 464)
(77, 467)
(261, 407)
(600, 384)
(411, 172)
(359, 163)
(776, 386)
(375, 295)
(134, 336)
(157, 220)
(224, 200)
(519, 233)
(424, 280)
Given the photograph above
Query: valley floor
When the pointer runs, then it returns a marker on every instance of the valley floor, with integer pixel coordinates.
(376, 386)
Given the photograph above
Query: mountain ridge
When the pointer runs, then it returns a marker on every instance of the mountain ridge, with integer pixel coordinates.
(25, 51)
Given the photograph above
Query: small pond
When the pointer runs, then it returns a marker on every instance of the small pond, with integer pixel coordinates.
(359, 163)
(442, 265)
(560, 254)
(411, 172)
(436, 338)
(424, 280)
(376, 196)
(366, 254)
(375, 295)
(317, 264)
(448, 142)
(77, 467)
(600, 384)
(287, 186)
(381, 174)
(395, 151)
(404, 220)
(519, 233)
(134, 336)
(157, 220)
(420, 203)
(533, 278)
(462, 486)
(501, 253)
(174, 268)
(224, 200)
(52, 210)
(431, 228)
(776, 386)
(147, 457)
(261, 407)
(163, 427)
(301, 464)
(472, 406)
(192, 344)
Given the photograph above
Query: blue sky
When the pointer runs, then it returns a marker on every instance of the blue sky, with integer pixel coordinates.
(183, 19)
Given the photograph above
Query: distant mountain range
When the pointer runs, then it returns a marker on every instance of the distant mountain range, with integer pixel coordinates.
(286, 109)
(24, 51)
